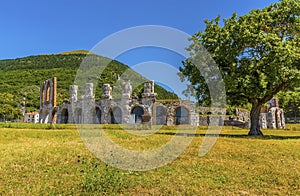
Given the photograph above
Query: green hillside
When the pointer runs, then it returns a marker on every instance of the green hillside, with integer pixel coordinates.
(22, 77)
(77, 52)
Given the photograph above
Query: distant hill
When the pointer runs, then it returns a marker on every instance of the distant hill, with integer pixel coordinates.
(22, 77)
(77, 52)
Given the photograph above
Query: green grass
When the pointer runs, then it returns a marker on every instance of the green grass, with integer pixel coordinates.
(42, 160)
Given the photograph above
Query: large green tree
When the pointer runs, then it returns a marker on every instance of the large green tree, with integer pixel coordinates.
(257, 54)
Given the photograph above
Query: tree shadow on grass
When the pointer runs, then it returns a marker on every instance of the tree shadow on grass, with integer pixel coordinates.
(265, 137)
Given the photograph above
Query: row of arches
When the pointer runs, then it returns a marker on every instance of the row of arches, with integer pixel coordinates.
(115, 116)
(182, 115)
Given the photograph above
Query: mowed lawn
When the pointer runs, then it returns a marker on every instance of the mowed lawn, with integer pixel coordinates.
(42, 160)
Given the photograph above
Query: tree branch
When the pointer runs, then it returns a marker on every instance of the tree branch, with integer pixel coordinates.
(269, 96)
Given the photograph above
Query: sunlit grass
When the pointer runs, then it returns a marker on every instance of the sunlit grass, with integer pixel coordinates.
(40, 160)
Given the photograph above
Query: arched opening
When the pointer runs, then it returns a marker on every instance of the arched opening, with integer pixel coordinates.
(182, 116)
(161, 115)
(48, 93)
(97, 116)
(64, 116)
(46, 118)
(116, 115)
(54, 116)
(138, 112)
(78, 116)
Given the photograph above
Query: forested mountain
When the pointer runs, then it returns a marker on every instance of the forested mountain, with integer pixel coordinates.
(22, 77)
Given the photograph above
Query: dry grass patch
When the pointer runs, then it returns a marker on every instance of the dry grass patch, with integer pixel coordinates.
(40, 160)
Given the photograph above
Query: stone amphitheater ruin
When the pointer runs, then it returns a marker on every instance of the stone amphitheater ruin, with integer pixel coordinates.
(131, 110)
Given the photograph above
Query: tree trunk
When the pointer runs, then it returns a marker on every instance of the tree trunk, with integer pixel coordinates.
(254, 116)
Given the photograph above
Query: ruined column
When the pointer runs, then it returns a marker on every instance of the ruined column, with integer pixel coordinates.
(126, 97)
(154, 114)
(170, 115)
(73, 100)
(278, 119)
(271, 119)
(54, 91)
(47, 100)
(148, 99)
(263, 120)
(73, 93)
(282, 119)
(106, 101)
(88, 104)
(106, 91)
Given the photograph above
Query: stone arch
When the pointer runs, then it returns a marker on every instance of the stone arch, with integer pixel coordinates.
(182, 115)
(48, 108)
(64, 116)
(97, 115)
(161, 115)
(78, 115)
(138, 111)
(115, 115)
(54, 116)
(46, 117)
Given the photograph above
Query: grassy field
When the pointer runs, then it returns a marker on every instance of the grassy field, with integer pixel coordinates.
(42, 160)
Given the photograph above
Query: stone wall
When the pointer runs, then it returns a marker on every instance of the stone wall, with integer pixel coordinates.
(242, 114)
(126, 109)
(48, 110)
(109, 110)
(273, 119)
(205, 120)
(237, 123)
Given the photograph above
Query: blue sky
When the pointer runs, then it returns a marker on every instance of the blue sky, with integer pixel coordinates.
(35, 27)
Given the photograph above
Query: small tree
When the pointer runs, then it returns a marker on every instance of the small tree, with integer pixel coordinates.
(257, 54)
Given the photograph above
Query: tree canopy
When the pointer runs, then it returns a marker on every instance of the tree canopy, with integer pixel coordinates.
(258, 55)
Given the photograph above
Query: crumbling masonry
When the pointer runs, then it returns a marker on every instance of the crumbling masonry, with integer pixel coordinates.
(272, 118)
(48, 109)
(131, 110)
(107, 110)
